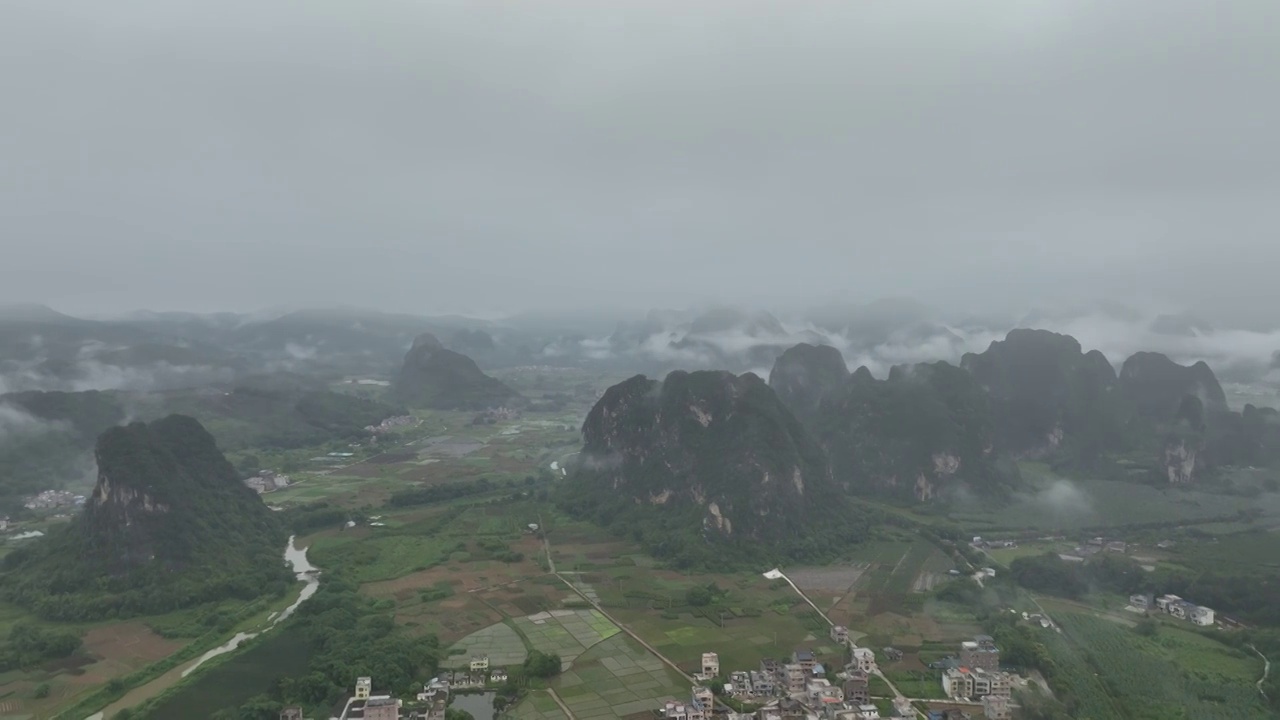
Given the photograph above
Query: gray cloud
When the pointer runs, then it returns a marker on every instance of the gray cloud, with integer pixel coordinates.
(458, 155)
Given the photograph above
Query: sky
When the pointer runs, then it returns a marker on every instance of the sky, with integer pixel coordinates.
(473, 155)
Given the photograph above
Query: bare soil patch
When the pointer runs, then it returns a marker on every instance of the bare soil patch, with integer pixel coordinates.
(131, 643)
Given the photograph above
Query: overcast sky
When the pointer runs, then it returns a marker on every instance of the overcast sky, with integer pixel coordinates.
(476, 155)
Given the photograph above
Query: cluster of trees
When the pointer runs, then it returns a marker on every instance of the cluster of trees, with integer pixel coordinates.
(29, 645)
(440, 493)
(541, 665)
(1253, 598)
(348, 636)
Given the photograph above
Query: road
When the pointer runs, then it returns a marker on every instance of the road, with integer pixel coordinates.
(778, 573)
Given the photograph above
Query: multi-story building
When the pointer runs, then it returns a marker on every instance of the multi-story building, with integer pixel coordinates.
(763, 684)
(840, 634)
(980, 653)
(804, 658)
(864, 659)
(996, 707)
(710, 665)
(364, 686)
(682, 711)
(821, 693)
(794, 677)
(963, 682)
(382, 708)
(857, 688)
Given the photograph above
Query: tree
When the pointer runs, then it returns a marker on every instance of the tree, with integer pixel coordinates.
(1147, 627)
(698, 596)
(42, 691)
(542, 665)
(717, 687)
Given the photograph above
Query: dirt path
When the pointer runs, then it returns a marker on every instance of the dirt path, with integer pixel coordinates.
(564, 708)
(1266, 670)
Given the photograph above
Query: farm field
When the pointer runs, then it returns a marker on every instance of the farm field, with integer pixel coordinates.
(1113, 673)
(614, 679)
(1059, 504)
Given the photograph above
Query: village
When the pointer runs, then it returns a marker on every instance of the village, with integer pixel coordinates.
(798, 687)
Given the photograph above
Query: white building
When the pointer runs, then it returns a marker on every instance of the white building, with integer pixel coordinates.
(710, 665)
(1202, 615)
(864, 660)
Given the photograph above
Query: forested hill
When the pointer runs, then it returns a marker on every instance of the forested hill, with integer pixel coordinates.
(168, 524)
(705, 464)
(433, 376)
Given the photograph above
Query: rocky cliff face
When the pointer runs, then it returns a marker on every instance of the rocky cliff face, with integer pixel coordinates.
(718, 450)
(1155, 385)
(804, 374)
(1046, 393)
(925, 430)
(433, 376)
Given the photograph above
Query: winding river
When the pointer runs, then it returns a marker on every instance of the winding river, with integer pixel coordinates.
(302, 568)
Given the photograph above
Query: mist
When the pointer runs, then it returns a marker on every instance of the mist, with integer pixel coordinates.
(502, 158)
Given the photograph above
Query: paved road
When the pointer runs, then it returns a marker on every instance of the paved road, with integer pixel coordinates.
(804, 597)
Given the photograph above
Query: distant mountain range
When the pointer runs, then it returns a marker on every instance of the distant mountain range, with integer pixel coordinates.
(736, 461)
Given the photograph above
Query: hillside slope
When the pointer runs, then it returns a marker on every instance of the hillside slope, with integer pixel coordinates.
(168, 524)
(704, 464)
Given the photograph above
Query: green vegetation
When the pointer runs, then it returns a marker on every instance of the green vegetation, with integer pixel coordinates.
(435, 377)
(171, 526)
(46, 440)
(28, 645)
(705, 469)
(930, 423)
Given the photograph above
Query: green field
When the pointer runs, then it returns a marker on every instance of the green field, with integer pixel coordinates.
(1056, 503)
(617, 678)
(279, 654)
(1114, 674)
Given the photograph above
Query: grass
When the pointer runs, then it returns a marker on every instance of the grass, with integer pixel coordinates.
(1056, 503)
(1112, 672)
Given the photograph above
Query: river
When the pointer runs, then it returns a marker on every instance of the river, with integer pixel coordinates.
(305, 572)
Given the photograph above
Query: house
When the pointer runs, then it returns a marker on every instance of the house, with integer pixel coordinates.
(963, 682)
(902, 708)
(382, 708)
(989, 572)
(857, 688)
(364, 686)
(710, 665)
(893, 654)
(840, 634)
(996, 707)
(763, 684)
(673, 710)
(867, 712)
(498, 676)
(794, 677)
(703, 697)
(291, 713)
(437, 689)
(804, 658)
(480, 665)
(1141, 602)
(980, 653)
(864, 659)
(1201, 615)
(438, 710)
(1118, 546)
(1164, 602)
(821, 693)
